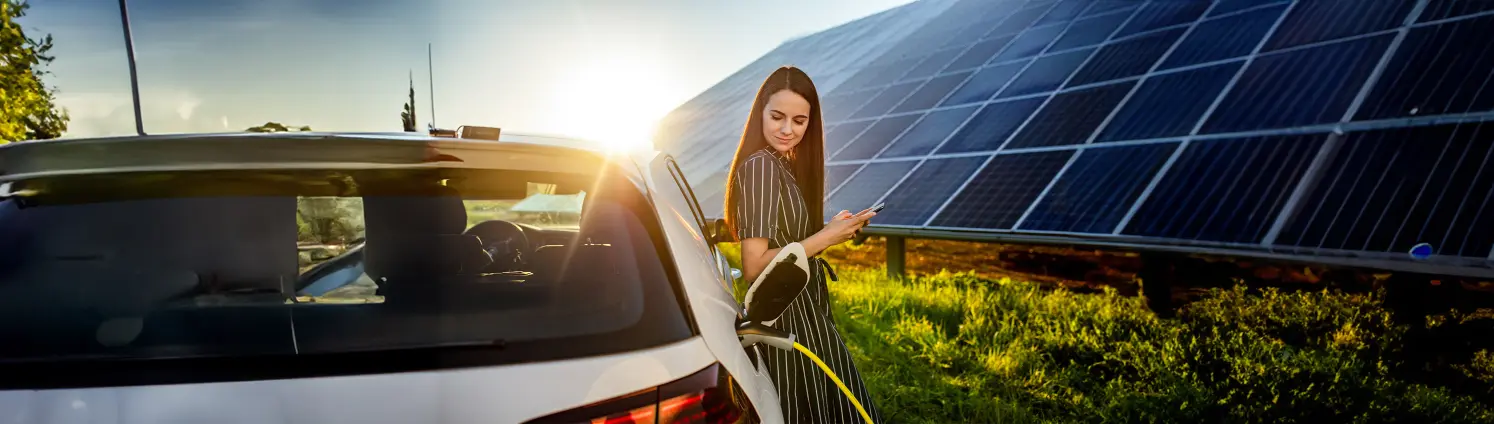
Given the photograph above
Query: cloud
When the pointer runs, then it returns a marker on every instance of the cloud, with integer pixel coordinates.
(163, 110)
(185, 108)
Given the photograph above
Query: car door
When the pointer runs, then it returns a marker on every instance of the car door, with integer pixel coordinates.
(707, 287)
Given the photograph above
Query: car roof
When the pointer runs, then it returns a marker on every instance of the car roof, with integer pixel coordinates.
(296, 150)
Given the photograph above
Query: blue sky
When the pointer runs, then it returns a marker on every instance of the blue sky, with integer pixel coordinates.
(578, 67)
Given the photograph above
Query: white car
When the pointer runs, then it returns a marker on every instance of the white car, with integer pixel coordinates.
(156, 279)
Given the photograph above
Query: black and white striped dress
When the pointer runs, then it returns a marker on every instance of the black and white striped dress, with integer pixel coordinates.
(771, 206)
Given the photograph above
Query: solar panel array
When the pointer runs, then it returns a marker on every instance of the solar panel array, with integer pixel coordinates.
(1344, 126)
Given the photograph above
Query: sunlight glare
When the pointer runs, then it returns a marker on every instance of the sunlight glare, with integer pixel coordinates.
(616, 100)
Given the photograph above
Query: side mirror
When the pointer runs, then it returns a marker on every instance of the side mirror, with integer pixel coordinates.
(785, 277)
(717, 232)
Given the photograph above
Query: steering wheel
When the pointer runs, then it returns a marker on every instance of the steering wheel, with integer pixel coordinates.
(505, 241)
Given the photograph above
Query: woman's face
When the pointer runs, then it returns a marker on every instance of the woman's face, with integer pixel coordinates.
(785, 118)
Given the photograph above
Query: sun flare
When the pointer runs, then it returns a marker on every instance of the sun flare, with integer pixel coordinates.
(615, 100)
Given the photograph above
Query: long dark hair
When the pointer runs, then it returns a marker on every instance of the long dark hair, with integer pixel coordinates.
(808, 159)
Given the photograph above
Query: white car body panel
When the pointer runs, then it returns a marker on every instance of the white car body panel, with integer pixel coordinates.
(486, 395)
(714, 307)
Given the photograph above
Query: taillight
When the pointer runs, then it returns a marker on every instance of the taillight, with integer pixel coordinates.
(708, 396)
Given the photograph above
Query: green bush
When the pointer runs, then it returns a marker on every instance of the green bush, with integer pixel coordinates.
(956, 348)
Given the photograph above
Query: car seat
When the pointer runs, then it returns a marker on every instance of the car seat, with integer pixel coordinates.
(415, 247)
(128, 277)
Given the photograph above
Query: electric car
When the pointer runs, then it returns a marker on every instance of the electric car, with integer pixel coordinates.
(363, 278)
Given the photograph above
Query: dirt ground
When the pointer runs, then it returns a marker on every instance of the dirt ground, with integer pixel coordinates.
(1088, 270)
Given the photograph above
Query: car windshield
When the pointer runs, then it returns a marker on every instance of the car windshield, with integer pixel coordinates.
(240, 264)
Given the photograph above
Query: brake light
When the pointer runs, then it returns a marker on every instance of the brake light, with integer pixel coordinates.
(708, 396)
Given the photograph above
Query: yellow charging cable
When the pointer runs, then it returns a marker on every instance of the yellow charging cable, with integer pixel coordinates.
(830, 373)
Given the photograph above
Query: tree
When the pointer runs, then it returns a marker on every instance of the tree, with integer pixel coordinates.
(408, 116)
(270, 127)
(27, 111)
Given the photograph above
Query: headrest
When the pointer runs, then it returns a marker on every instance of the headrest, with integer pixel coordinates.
(441, 212)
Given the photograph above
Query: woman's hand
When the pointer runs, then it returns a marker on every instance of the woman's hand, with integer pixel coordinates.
(842, 228)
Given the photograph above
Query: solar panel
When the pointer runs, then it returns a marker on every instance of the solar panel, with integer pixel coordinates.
(1301, 87)
(875, 138)
(931, 93)
(979, 54)
(1104, 6)
(1098, 188)
(1169, 105)
(1046, 73)
(921, 194)
(1387, 190)
(889, 97)
(842, 135)
(1091, 31)
(1224, 38)
(1248, 124)
(1001, 193)
(842, 108)
(933, 63)
(1019, 21)
(1162, 14)
(1030, 43)
(837, 174)
(984, 84)
(929, 132)
(1070, 117)
(1314, 21)
(1443, 9)
(1127, 58)
(991, 126)
(1435, 71)
(1231, 6)
(1226, 190)
(970, 33)
(863, 189)
(1063, 11)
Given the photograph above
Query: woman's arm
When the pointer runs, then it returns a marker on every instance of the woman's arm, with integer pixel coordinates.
(756, 255)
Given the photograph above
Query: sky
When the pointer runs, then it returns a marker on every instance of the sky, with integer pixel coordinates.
(600, 69)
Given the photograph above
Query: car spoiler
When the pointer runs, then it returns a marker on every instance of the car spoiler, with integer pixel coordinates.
(251, 151)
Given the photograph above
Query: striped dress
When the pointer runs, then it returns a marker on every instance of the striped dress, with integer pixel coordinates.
(772, 207)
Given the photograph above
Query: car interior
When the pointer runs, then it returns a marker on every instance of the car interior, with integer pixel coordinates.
(209, 275)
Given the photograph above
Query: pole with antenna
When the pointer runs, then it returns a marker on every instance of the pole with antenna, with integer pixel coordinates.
(431, 68)
(124, 17)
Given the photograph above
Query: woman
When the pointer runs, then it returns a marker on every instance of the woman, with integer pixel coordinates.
(773, 198)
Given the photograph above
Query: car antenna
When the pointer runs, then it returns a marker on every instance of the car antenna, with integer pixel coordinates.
(431, 70)
(124, 18)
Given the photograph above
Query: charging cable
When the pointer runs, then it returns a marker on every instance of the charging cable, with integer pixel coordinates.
(837, 381)
(752, 333)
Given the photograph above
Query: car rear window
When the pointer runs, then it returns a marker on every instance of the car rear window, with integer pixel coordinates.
(181, 265)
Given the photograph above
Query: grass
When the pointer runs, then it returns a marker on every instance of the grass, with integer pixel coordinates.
(959, 347)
